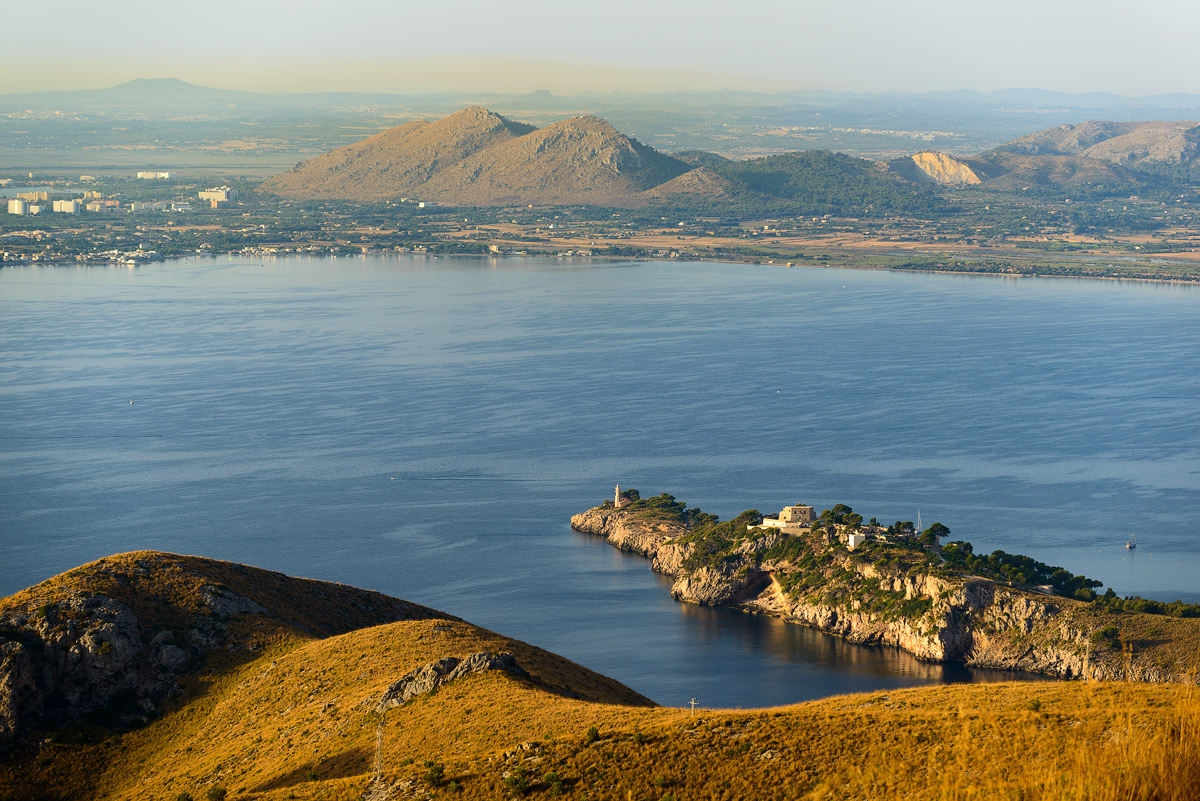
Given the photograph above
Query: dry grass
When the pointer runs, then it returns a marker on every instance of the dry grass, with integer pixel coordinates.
(298, 721)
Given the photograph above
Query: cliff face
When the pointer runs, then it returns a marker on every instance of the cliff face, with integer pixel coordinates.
(979, 622)
(943, 169)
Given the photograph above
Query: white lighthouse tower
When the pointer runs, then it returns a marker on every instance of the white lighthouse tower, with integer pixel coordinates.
(617, 497)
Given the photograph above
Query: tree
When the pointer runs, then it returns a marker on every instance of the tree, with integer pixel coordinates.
(931, 535)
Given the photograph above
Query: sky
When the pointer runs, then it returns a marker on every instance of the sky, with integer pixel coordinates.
(1148, 47)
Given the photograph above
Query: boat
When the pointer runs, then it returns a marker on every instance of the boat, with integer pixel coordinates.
(1131, 543)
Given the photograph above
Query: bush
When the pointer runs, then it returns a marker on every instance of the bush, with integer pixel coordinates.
(435, 774)
(518, 781)
(592, 735)
(554, 783)
(216, 794)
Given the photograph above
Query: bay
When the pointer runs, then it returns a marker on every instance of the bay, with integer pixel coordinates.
(426, 427)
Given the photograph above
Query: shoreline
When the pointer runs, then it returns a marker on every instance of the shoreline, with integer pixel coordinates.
(869, 596)
(1190, 282)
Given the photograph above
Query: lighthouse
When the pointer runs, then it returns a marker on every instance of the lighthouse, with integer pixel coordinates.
(617, 497)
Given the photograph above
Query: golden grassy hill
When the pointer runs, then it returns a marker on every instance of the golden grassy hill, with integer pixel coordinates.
(477, 158)
(299, 719)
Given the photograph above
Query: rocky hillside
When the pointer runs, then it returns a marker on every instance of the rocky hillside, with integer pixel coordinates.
(1123, 143)
(477, 158)
(1110, 158)
(115, 639)
(895, 594)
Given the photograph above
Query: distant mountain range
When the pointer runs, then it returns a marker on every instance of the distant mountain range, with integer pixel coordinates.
(173, 114)
(173, 91)
(1092, 155)
(475, 157)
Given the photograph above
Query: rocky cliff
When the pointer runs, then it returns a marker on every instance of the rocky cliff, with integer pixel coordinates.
(945, 170)
(947, 617)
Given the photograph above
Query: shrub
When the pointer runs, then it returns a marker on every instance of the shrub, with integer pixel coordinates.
(435, 774)
(554, 782)
(216, 793)
(518, 781)
(592, 735)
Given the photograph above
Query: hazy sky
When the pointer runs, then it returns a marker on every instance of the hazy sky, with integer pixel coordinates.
(1139, 48)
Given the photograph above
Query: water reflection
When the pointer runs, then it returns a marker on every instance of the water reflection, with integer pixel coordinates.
(791, 642)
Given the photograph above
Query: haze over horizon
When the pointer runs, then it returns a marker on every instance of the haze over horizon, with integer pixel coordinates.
(524, 45)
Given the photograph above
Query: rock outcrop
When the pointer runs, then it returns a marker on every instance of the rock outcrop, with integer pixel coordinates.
(428, 678)
(975, 621)
(938, 168)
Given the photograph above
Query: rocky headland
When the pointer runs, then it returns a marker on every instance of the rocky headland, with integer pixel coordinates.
(893, 591)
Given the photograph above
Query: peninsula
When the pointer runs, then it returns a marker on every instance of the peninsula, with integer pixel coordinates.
(893, 585)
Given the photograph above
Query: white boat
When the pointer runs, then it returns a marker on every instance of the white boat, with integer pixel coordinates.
(1131, 543)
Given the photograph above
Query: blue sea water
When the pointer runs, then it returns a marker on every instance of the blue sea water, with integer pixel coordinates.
(426, 427)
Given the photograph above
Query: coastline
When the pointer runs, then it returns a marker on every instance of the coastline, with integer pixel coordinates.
(934, 616)
(141, 261)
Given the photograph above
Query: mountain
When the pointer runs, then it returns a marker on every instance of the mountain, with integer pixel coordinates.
(278, 688)
(1131, 144)
(1096, 156)
(477, 158)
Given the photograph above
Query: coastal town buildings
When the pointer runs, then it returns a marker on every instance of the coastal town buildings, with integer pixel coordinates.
(219, 193)
(792, 517)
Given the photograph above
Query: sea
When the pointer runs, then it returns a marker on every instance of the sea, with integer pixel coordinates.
(426, 427)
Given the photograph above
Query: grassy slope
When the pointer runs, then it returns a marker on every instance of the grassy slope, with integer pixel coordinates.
(298, 720)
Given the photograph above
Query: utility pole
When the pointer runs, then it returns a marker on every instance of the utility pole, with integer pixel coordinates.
(693, 702)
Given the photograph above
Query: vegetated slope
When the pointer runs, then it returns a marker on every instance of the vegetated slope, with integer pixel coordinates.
(475, 157)
(939, 603)
(303, 718)
(822, 182)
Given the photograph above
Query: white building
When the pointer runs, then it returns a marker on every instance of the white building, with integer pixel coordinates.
(792, 517)
(219, 193)
(66, 206)
(18, 206)
(152, 175)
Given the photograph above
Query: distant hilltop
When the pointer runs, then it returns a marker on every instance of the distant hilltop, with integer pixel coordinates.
(476, 157)
(1092, 153)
